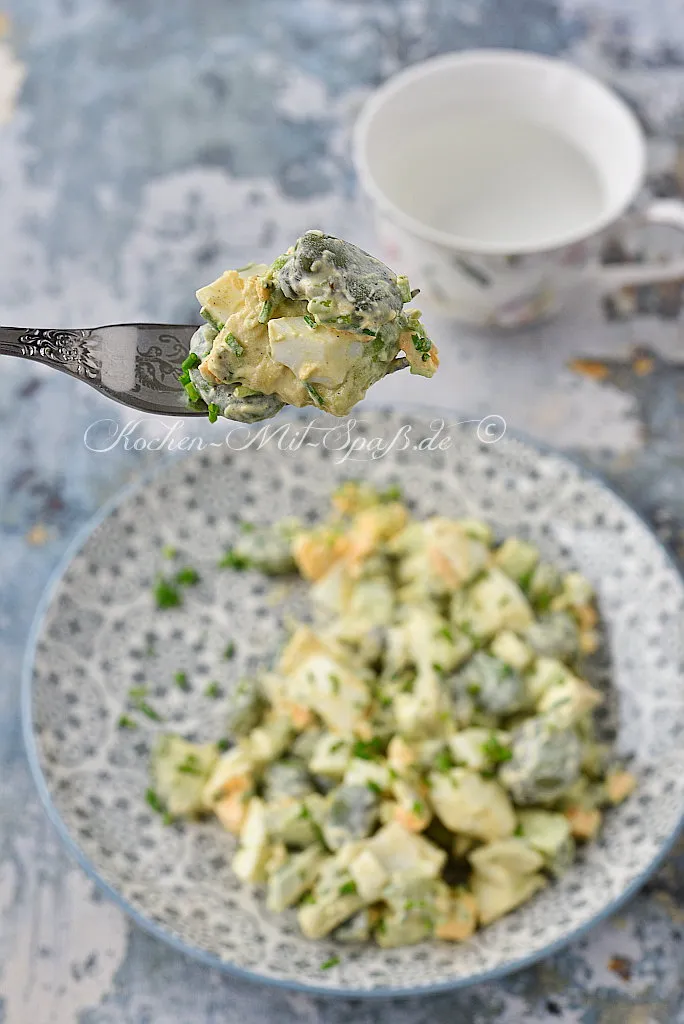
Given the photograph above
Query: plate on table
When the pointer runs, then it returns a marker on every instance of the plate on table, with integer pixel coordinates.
(99, 633)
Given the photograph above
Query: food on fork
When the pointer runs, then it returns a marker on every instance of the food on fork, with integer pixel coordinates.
(319, 326)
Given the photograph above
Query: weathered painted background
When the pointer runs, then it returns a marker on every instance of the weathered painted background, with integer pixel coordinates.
(152, 145)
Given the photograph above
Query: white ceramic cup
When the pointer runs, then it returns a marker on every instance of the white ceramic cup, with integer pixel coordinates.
(495, 176)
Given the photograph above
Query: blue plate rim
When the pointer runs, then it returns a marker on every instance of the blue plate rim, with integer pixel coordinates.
(208, 959)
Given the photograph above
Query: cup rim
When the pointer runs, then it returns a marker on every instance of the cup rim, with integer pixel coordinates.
(496, 57)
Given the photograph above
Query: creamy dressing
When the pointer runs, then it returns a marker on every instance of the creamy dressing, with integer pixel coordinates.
(341, 283)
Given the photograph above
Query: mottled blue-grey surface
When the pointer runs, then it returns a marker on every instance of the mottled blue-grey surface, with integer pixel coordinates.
(155, 144)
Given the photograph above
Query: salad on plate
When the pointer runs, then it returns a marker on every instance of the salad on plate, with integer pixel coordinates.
(423, 756)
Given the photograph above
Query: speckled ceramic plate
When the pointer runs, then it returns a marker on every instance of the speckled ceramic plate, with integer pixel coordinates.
(98, 633)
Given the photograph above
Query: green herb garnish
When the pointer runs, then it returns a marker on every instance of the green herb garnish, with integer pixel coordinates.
(265, 313)
(234, 345)
(374, 787)
(223, 744)
(348, 888)
(213, 690)
(125, 722)
(404, 288)
(421, 343)
(214, 411)
(166, 594)
(315, 394)
(443, 761)
(169, 551)
(187, 577)
(518, 830)
(496, 751)
(391, 493)
(367, 750)
(211, 319)
(280, 262)
(181, 681)
(191, 361)
(310, 321)
(146, 709)
(446, 633)
(229, 651)
(332, 962)
(231, 560)
(335, 683)
(190, 766)
(154, 801)
(192, 392)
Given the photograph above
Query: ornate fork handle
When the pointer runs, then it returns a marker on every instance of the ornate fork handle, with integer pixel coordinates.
(74, 351)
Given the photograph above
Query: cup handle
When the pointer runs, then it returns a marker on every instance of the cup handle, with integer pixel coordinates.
(613, 276)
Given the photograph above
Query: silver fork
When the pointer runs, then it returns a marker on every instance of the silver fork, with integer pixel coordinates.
(135, 364)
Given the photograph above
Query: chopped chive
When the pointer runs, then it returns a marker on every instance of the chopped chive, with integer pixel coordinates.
(154, 802)
(169, 551)
(437, 667)
(213, 690)
(425, 357)
(265, 313)
(418, 807)
(223, 745)
(190, 766)
(332, 962)
(335, 683)
(187, 577)
(518, 830)
(310, 321)
(496, 751)
(231, 560)
(404, 288)
(181, 680)
(315, 394)
(308, 897)
(192, 392)
(367, 330)
(184, 378)
(367, 750)
(414, 292)
(165, 594)
(191, 361)
(137, 692)
(374, 787)
(391, 493)
(446, 633)
(443, 761)
(229, 651)
(211, 319)
(167, 818)
(125, 722)
(348, 888)
(234, 345)
(214, 412)
(279, 263)
(146, 709)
